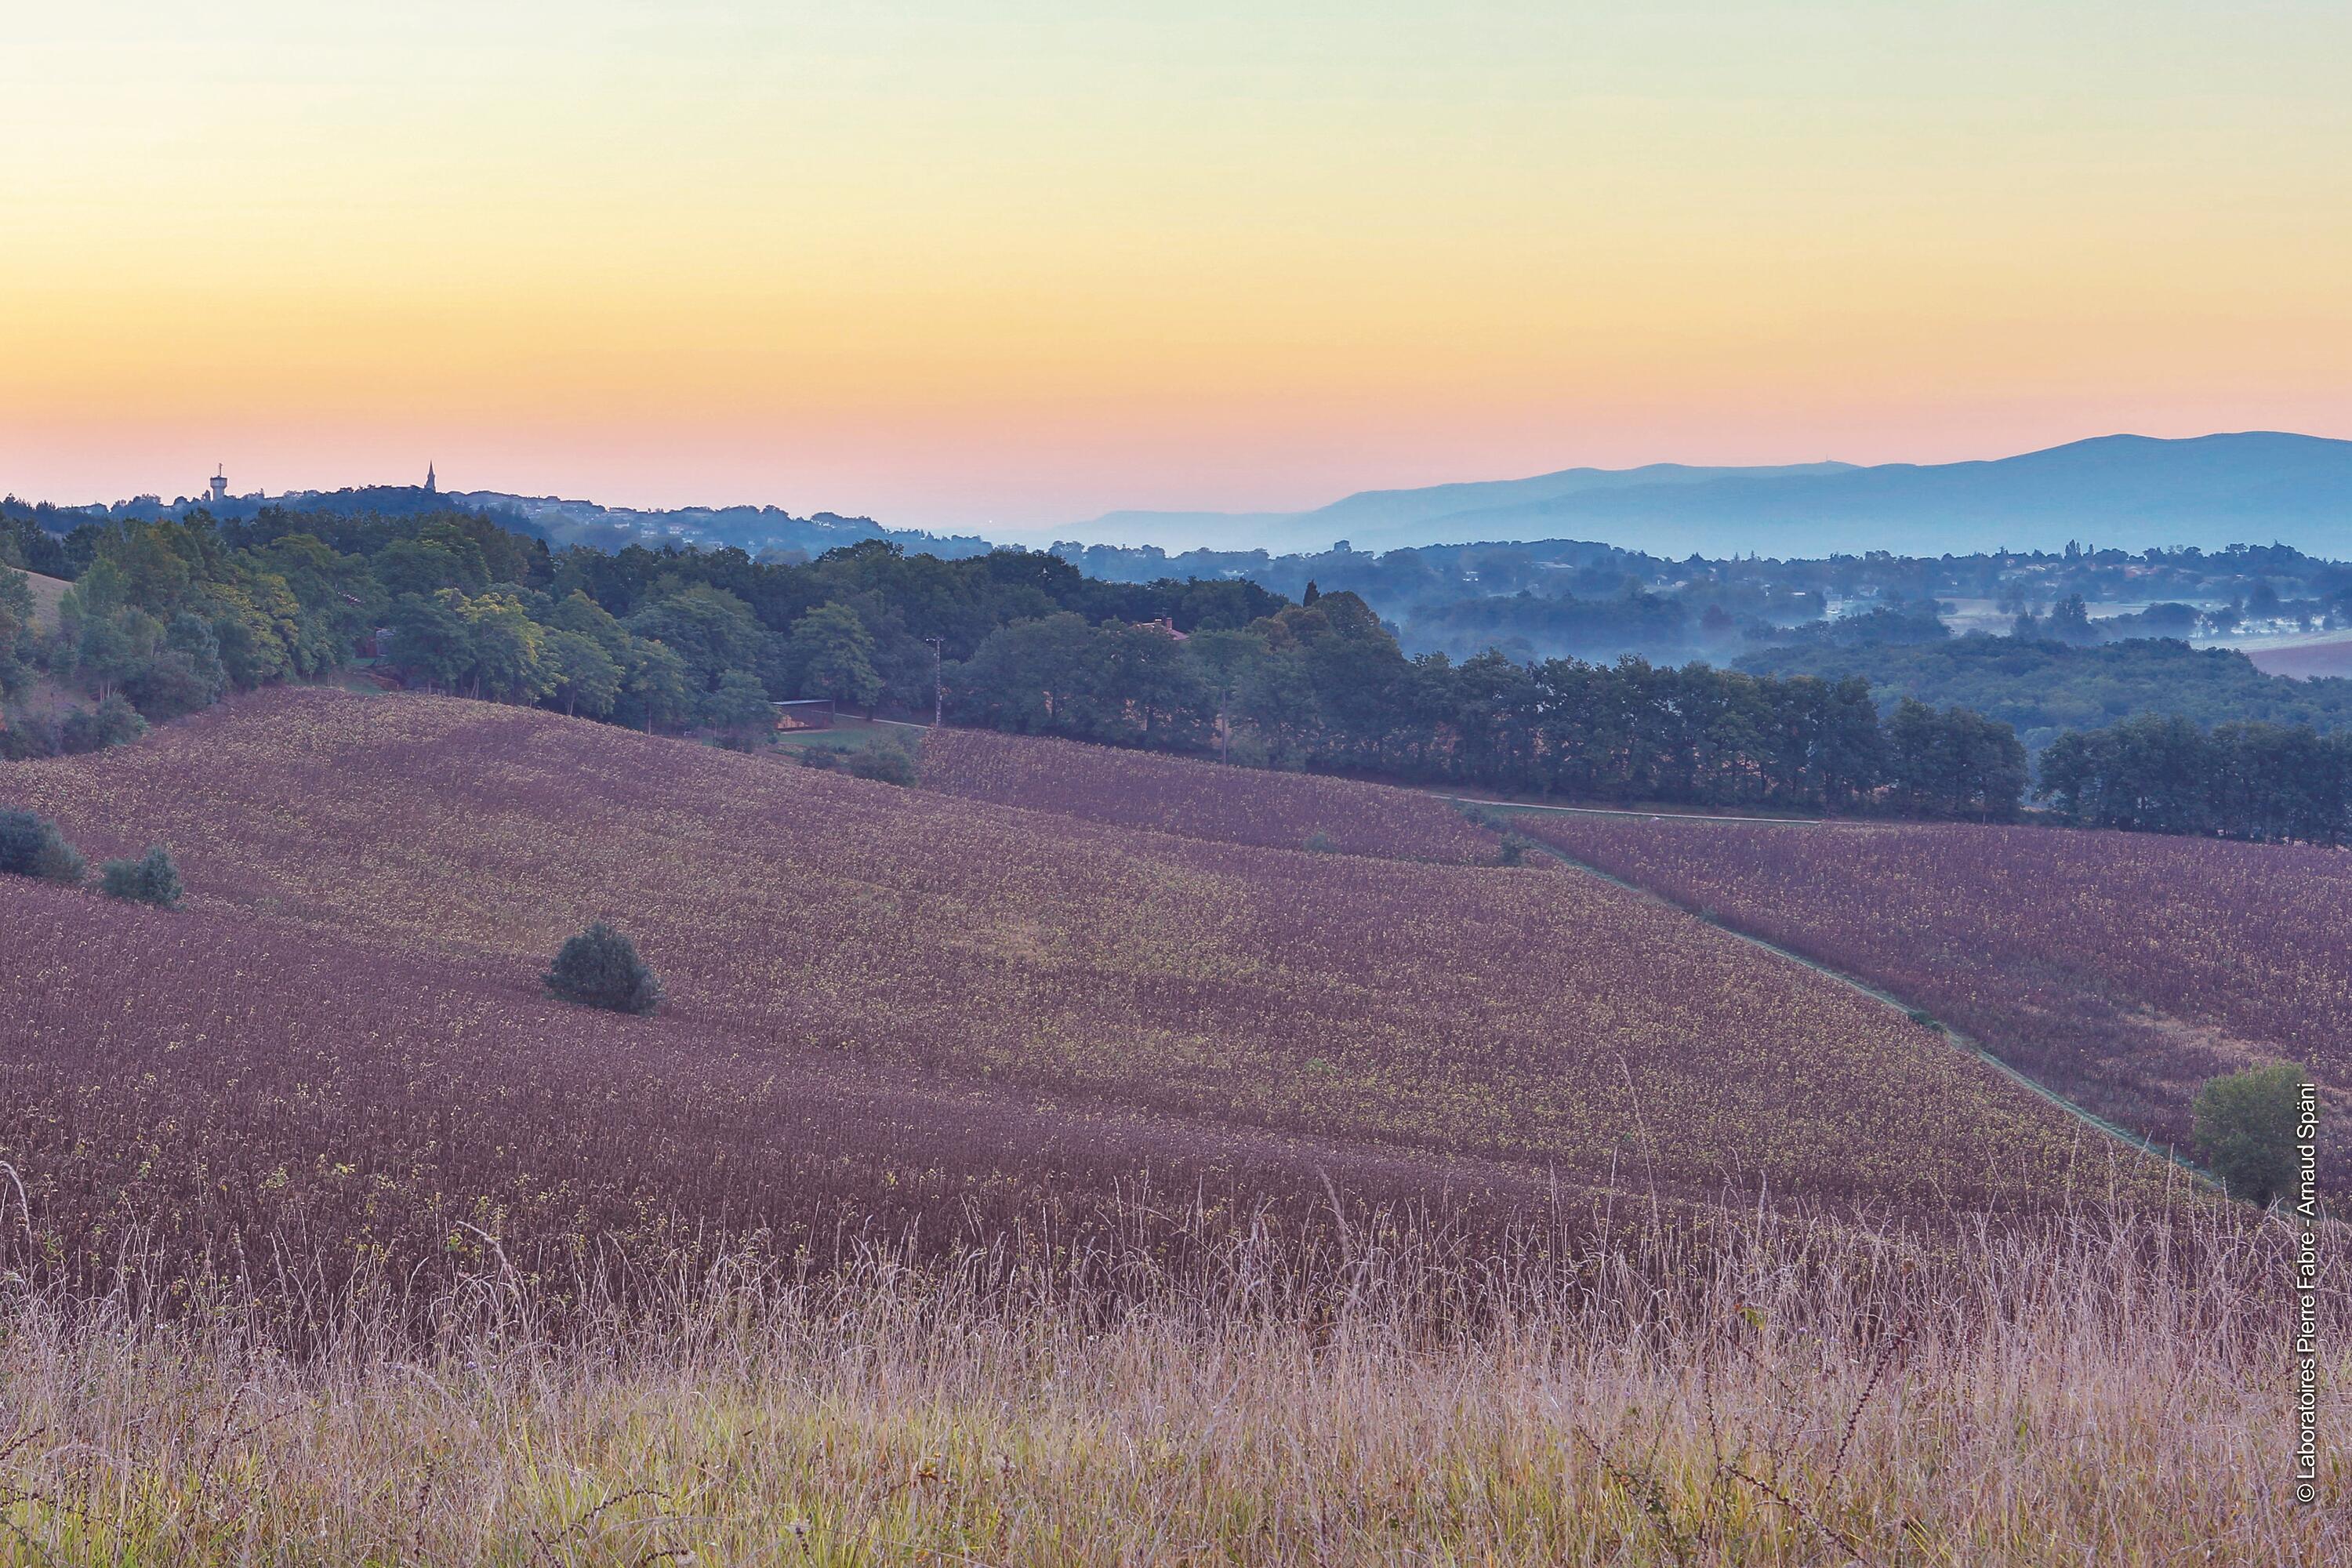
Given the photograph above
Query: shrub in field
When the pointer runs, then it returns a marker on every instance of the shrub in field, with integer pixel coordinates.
(600, 968)
(2245, 1128)
(23, 735)
(113, 722)
(31, 847)
(885, 761)
(150, 879)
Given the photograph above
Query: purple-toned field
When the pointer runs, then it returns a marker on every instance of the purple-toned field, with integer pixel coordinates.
(2122, 969)
(886, 1008)
(2305, 658)
(1201, 799)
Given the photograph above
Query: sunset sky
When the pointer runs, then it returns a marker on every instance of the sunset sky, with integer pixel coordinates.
(1015, 263)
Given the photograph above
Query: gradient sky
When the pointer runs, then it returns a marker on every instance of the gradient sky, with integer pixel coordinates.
(1020, 261)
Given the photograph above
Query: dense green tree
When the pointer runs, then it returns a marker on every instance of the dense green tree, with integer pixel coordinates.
(584, 617)
(1153, 692)
(600, 968)
(430, 639)
(1274, 698)
(2254, 781)
(1224, 658)
(1954, 763)
(587, 679)
(258, 622)
(112, 647)
(150, 879)
(655, 691)
(708, 628)
(184, 674)
(338, 599)
(2244, 1126)
(509, 649)
(1037, 676)
(738, 705)
(16, 606)
(2044, 688)
(18, 643)
(31, 846)
(113, 722)
(831, 653)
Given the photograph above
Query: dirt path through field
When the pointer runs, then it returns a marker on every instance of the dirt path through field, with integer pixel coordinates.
(1959, 1040)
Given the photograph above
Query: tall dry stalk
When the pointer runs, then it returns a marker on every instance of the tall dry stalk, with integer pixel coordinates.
(2103, 1385)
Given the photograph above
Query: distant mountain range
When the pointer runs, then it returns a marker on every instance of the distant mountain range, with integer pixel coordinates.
(2133, 491)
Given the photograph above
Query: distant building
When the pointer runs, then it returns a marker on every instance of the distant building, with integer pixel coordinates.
(432, 486)
(219, 484)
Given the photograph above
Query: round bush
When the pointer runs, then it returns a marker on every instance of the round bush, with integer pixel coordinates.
(600, 968)
(150, 879)
(31, 847)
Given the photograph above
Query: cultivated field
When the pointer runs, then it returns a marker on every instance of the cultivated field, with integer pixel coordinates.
(1003, 1187)
(885, 1003)
(2308, 657)
(242, 1097)
(2122, 969)
(1200, 799)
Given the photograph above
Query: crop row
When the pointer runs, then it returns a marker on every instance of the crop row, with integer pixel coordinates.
(2123, 969)
(251, 1093)
(857, 970)
(1200, 799)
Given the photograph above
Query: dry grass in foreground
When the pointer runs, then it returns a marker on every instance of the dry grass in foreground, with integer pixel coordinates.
(2092, 1388)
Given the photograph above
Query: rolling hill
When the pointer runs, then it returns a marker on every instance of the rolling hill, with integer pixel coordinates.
(1197, 800)
(1382, 519)
(2124, 970)
(48, 592)
(886, 1008)
(2255, 487)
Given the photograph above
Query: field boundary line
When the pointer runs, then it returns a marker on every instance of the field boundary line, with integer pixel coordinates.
(1622, 810)
(1964, 1043)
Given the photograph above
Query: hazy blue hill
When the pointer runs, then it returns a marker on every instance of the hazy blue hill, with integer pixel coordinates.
(2256, 486)
(2128, 491)
(1179, 531)
(1372, 511)
(1385, 519)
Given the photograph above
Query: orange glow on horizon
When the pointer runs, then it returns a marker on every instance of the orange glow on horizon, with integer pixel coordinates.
(958, 270)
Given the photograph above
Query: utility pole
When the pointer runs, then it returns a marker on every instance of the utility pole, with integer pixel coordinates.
(939, 682)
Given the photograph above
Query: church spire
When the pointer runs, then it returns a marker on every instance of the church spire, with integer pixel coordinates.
(430, 485)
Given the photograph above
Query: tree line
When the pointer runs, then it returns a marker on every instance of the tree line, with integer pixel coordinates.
(1323, 685)
(2268, 784)
(164, 616)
